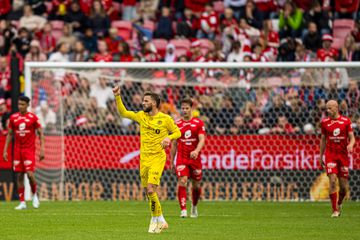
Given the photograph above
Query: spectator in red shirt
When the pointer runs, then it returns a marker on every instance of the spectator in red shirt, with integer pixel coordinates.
(113, 40)
(228, 19)
(209, 23)
(346, 8)
(103, 55)
(123, 53)
(197, 6)
(5, 7)
(265, 8)
(85, 6)
(47, 40)
(327, 53)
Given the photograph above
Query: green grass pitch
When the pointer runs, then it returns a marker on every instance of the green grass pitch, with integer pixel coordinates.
(217, 220)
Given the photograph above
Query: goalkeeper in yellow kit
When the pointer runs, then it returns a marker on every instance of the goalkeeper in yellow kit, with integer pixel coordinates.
(156, 132)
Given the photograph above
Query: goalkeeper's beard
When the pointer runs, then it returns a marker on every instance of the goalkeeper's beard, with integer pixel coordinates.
(148, 109)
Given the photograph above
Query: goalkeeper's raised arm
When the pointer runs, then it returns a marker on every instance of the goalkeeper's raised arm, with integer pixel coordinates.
(120, 105)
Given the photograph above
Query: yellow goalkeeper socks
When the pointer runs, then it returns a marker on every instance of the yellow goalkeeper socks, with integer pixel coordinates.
(155, 206)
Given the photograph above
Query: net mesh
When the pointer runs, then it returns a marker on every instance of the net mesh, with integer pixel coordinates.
(263, 127)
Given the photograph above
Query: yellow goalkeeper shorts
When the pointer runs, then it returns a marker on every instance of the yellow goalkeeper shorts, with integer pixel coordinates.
(151, 168)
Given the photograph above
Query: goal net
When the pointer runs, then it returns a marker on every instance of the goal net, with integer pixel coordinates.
(262, 122)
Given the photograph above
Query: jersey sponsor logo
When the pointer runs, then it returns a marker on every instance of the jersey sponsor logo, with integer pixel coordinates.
(336, 132)
(197, 172)
(27, 162)
(187, 134)
(193, 125)
(16, 162)
(344, 169)
(22, 126)
(27, 120)
(331, 165)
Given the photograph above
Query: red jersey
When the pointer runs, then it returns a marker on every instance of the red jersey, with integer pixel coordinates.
(323, 54)
(336, 132)
(98, 57)
(190, 131)
(24, 127)
(209, 21)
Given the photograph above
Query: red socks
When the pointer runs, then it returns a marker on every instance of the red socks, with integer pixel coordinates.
(333, 198)
(196, 195)
(182, 197)
(21, 194)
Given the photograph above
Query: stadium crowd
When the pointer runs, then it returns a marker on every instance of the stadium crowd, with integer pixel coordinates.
(249, 101)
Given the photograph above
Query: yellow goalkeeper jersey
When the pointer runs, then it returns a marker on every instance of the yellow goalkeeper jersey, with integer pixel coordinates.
(153, 129)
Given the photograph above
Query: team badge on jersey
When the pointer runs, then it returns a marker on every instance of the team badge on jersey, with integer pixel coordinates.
(187, 134)
(159, 122)
(336, 132)
(22, 126)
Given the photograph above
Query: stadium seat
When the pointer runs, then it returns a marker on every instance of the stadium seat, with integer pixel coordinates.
(180, 52)
(181, 43)
(206, 45)
(57, 25)
(341, 32)
(337, 43)
(219, 7)
(344, 23)
(124, 28)
(160, 45)
(342, 27)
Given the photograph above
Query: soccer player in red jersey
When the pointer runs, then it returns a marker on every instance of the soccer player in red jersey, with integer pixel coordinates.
(188, 162)
(24, 126)
(338, 139)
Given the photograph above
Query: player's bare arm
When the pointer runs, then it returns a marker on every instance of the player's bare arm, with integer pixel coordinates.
(172, 155)
(8, 140)
(42, 143)
(194, 154)
(351, 144)
(322, 150)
